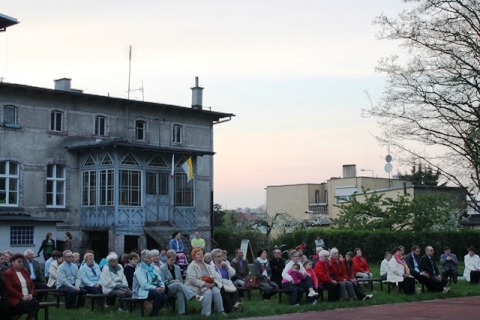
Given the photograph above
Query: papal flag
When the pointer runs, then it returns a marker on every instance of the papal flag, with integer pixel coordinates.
(187, 166)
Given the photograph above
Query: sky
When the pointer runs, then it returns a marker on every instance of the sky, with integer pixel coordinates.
(295, 73)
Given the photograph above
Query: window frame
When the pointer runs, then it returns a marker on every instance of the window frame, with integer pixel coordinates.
(177, 134)
(128, 190)
(98, 126)
(56, 181)
(53, 121)
(106, 187)
(9, 178)
(22, 240)
(89, 188)
(140, 130)
(183, 191)
(15, 115)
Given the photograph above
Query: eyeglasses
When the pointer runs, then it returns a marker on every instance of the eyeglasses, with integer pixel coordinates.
(68, 256)
(218, 256)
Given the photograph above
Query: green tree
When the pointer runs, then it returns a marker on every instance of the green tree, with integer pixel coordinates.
(430, 106)
(218, 216)
(376, 212)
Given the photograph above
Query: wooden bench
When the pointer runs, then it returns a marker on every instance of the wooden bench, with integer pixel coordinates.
(133, 302)
(58, 295)
(371, 281)
(93, 297)
(45, 306)
(247, 290)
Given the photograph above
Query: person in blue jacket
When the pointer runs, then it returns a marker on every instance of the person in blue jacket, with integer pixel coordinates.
(176, 243)
(148, 284)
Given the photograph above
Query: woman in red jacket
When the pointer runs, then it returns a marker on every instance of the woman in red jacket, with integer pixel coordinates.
(360, 268)
(19, 289)
(324, 278)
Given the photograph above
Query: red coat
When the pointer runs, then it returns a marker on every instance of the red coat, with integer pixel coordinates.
(322, 272)
(337, 270)
(359, 265)
(13, 287)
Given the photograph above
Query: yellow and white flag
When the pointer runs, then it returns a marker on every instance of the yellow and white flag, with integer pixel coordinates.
(187, 166)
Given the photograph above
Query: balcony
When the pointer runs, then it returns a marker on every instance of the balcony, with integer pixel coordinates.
(318, 208)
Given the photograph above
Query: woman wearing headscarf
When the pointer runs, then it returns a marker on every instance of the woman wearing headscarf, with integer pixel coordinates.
(200, 280)
(399, 273)
(148, 284)
(263, 272)
(114, 282)
(172, 276)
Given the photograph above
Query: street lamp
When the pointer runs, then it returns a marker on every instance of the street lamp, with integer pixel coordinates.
(363, 170)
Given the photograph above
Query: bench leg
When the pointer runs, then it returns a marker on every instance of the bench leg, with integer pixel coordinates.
(46, 313)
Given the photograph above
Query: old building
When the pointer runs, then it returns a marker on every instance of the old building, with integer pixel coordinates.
(109, 168)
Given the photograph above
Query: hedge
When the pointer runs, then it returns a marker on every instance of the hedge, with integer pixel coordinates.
(374, 244)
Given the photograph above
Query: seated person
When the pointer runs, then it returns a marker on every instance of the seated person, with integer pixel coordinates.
(435, 280)
(222, 270)
(240, 266)
(114, 282)
(129, 270)
(148, 284)
(449, 262)
(297, 289)
(58, 260)
(322, 271)
(263, 272)
(68, 281)
(90, 278)
(472, 266)
(384, 266)
(399, 273)
(361, 270)
(308, 266)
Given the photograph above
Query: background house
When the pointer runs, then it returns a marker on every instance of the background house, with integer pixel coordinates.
(110, 169)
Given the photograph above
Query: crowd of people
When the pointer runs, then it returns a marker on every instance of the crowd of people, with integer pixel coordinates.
(211, 279)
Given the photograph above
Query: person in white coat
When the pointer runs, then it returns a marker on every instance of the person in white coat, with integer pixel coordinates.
(399, 273)
(472, 266)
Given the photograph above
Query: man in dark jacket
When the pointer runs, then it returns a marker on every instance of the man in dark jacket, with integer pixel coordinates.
(33, 268)
(413, 262)
(277, 264)
(435, 280)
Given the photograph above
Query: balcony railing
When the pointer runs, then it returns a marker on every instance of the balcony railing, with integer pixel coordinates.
(318, 208)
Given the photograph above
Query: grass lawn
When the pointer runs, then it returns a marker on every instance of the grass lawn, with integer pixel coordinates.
(257, 307)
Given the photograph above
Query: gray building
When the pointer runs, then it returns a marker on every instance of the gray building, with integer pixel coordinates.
(109, 169)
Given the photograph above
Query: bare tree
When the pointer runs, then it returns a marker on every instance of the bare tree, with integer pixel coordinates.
(430, 108)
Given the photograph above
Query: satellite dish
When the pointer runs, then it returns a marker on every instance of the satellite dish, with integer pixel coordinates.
(388, 167)
(389, 159)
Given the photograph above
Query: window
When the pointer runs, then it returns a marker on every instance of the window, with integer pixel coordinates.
(317, 196)
(106, 187)
(10, 115)
(55, 185)
(21, 236)
(183, 191)
(157, 183)
(9, 183)
(100, 126)
(130, 187)
(56, 121)
(89, 188)
(140, 130)
(177, 134)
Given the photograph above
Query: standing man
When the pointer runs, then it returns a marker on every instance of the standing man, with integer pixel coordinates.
(198, 242)
(68, 281)
(241, 268)
(176, 243)
(277, 264)
(435, 281)
(449, 263)
(33, 268)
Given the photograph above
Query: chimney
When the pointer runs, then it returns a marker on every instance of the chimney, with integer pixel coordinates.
(349, 170)
(197, 96)
(64, 84)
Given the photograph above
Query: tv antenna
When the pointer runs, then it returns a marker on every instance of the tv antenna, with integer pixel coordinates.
(130, 76)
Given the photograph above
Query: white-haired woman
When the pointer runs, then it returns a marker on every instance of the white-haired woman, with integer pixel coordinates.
(114, 282)
(148, 284)
(221, 270)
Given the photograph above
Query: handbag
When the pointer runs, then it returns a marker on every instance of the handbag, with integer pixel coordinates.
(228, 285)
(251, 282)
(148, 305)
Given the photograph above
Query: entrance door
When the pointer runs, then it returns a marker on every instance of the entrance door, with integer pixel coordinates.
(157, 197)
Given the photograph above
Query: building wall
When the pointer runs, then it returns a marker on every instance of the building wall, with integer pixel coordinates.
(33, 145)
(291, 199)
